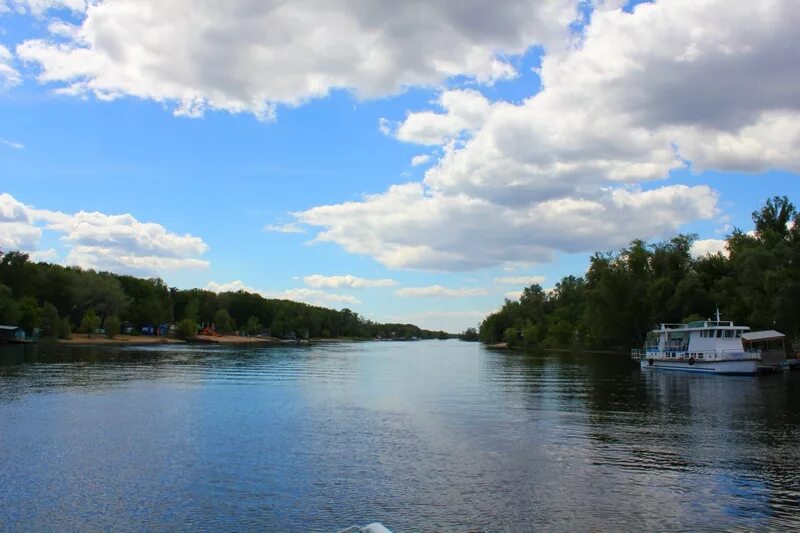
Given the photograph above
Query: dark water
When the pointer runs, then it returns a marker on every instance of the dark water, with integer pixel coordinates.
(420, 436)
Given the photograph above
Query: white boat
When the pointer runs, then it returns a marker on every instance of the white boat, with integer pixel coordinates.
(709, 346)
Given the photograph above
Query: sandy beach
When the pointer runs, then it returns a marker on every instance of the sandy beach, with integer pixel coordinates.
(83, 338)
(135, 340)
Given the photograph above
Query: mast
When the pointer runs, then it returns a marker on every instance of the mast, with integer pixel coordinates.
(718, 319)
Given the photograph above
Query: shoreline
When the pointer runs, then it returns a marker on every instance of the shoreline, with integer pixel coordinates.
(83, 339)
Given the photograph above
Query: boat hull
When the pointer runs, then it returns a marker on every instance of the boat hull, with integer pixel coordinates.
(741, 367)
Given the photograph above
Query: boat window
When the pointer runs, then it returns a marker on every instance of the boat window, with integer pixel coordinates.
(719, 333)
(738, 333)
(728, 333)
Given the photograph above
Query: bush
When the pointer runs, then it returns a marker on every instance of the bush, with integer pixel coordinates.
(510, 337)
(65, 329)
(112, 326)
(223, 322)
(51, 323)
(186, 329)
(90, 322)
(253, 326)
(529, 337)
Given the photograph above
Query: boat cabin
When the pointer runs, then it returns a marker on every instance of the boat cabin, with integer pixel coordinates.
(696, 339)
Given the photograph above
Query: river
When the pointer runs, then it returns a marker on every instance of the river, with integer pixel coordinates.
(421, 436)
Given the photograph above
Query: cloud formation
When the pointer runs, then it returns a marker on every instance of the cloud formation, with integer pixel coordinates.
(9, 76)
(318, 281)
(117, 243)
(17, 231)
(520, 280)
(316, 297)
(441, 292)
(245, 56)
(420, 159)
(13, 144)
(309, 296)
(705, 247)
(409, 226)
(284, 228)
(573, 167)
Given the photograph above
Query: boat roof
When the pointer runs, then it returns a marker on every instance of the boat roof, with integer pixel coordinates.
(767, 334)
(700, 324)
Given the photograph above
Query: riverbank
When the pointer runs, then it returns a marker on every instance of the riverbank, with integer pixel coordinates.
(147, 340)
(133, 340)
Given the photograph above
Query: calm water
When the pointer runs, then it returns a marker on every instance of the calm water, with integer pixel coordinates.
(420, 436)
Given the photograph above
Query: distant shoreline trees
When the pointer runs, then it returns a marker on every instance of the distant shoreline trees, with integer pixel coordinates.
(51, 299)
(624, 294)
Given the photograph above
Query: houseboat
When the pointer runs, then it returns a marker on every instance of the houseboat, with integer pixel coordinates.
(709, 346)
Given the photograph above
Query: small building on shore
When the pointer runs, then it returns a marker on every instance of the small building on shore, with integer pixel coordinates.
(11, 334)
(769, 342)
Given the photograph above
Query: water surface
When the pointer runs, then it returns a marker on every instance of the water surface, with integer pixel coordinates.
(422, 436)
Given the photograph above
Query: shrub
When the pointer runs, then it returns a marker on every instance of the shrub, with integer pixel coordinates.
(186, 329)
(112, 326)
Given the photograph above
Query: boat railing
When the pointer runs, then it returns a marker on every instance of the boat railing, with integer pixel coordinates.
(721, 355)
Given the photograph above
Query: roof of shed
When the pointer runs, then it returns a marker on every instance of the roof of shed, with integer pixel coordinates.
(767, 334)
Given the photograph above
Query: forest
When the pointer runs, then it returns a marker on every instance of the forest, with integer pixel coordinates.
(51, 300)
(625, 293)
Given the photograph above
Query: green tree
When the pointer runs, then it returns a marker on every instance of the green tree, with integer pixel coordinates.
(65, 329)
(511, 337)
(223, 322)
(253, 326)
(30, 315)
(51, 322)
(9, 310)
(90, 322)
(186, 329)
(469, 335)
(111, 325)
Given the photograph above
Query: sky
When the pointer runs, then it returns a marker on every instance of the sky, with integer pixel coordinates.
(414, 161)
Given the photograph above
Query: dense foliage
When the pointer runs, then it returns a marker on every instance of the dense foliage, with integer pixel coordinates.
(53, 299)
(624, 294)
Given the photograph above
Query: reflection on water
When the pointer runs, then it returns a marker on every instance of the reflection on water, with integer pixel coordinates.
(420, 436)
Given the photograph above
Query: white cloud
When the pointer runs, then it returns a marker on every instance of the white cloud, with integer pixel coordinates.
(513, 295)
(284, 228)
(44, 256)
(244, 56)
(318, 281)
(118, 243)
(17, 231)
(384, 126)
(705, 247)
(439, 291)
(564, 170)
(411, 227)
(9, 76)
(231, 286)
(309, 296)
(316, 297)
(38, 8)
(420, 159)
(465, 111)
(520, 280)
(13, 144)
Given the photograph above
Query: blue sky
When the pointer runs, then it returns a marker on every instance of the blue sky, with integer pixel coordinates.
(200, 142)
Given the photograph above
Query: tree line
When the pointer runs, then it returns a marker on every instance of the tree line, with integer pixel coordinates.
(53, 300)
(626, 293)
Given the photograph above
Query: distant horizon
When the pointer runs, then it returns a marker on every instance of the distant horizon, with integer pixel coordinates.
(416, 165)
